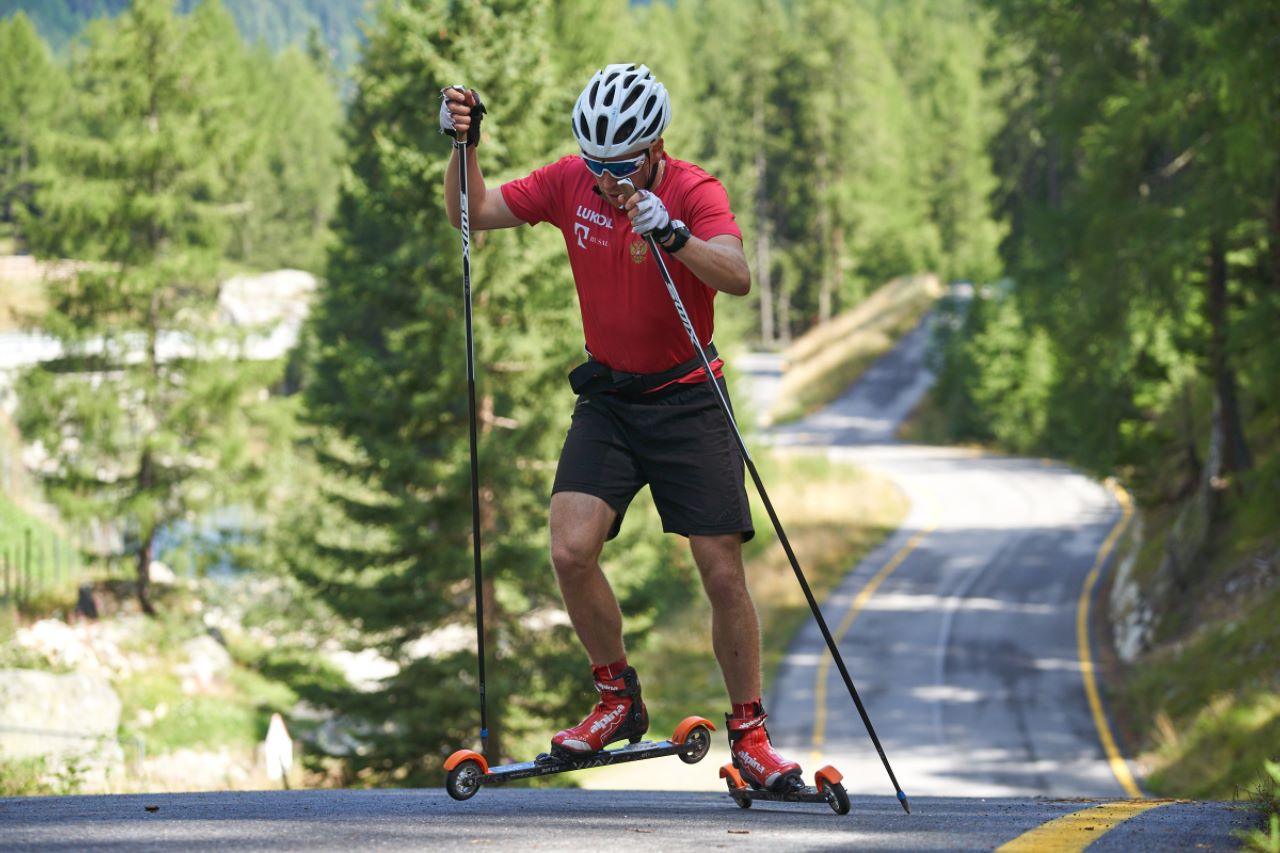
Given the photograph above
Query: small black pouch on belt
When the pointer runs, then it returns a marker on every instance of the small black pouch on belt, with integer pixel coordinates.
(594, 377)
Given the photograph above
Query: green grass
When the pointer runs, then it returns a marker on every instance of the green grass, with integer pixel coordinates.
(1267, 798)
(826, 360)
(232, 712)
(34, 558)
(1212, 704)
(233, 715)
(25, 777)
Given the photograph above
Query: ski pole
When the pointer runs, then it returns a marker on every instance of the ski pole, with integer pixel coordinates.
(460, 145)
(628, 189)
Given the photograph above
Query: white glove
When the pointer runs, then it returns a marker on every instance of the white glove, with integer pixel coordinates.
(649, 214)
(476, 111)
(446, 117)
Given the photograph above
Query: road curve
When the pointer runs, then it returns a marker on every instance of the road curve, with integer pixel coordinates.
(960, 631)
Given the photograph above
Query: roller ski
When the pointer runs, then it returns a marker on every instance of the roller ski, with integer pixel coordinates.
(757, 772)
(619, 716)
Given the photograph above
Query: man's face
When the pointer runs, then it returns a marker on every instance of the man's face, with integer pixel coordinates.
(636, 166)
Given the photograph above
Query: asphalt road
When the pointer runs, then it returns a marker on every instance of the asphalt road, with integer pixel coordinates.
(515, 819)
(961, 631)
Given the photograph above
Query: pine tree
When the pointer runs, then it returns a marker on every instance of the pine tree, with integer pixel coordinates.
(284, 187)
(148, 415)
(388, 546)
(30, 90)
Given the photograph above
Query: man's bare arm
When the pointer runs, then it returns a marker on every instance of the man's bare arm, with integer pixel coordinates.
(718, 263)
(486, 208)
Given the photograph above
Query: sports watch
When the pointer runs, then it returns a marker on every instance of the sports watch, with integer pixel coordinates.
(678, 233)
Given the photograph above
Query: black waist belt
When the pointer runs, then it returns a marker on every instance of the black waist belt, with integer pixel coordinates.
(594, 377)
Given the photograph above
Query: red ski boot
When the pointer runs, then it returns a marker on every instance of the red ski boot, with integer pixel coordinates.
(753, 753)
(620, 715)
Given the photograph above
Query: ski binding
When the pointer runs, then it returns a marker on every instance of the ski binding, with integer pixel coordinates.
(468, 770)
(827, 790)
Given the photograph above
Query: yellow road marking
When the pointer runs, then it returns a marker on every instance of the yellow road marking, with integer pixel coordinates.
(824, 664)
(1074, 832)
(1118, 766)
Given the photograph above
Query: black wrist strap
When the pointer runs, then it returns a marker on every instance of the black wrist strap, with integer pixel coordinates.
(679, 234)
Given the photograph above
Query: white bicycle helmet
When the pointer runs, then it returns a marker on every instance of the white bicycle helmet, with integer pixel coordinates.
(623, 108)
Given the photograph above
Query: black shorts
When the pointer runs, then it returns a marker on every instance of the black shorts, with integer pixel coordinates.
(676, 441)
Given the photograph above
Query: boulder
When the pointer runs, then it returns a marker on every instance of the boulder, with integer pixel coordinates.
(207, 661)
(69, 720)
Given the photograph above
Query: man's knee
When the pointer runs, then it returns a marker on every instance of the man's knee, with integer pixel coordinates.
(574, 555)
(726, 583)
(719, 562)
(579, 525)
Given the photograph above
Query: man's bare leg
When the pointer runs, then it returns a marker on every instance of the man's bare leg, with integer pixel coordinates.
(735, 634)
(579, 525)
(735, 628)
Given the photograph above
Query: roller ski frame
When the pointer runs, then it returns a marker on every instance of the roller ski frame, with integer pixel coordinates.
(828, 790)
(468, 770)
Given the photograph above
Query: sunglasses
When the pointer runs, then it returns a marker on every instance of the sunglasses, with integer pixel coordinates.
(619, 169)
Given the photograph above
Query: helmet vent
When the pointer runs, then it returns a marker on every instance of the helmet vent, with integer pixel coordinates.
(655, 127)
(632, 97)
(624, 131)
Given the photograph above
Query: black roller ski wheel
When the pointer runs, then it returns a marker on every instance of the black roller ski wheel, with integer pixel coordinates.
(837, 798)
(464, 780)
(698, 742)
(743, 802)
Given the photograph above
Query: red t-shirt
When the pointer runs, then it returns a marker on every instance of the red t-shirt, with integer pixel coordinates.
(628, 317)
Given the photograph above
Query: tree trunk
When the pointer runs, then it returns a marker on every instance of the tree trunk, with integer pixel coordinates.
(493, 701)
(837, 270)
(764, 277)
(144, 575)
(493, 747)
(1274, 241)
(1194, 464)
(784, 311)
(764, 271)
(1235, 450)
(146, 477)
(826, 240)
(1053, 168)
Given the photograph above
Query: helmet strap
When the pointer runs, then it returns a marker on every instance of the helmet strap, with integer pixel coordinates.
(653, 174)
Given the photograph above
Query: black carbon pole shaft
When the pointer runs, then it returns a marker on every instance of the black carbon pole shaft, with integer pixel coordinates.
(465, 210)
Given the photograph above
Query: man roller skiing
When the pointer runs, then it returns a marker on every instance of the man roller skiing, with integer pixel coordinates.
(645, 413)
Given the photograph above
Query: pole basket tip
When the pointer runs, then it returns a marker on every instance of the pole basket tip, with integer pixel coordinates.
(902, 798)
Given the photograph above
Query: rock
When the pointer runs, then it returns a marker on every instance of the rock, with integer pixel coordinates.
(206, 661)
(69, 720)
(59, 644)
